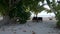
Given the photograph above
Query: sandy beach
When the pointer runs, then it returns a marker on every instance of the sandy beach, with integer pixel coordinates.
(44, 27)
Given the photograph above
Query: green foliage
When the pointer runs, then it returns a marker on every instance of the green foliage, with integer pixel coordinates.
(57, 7)
(19, 11)
(3, 6)
(58, 24)
(16, 10)
(58, 15)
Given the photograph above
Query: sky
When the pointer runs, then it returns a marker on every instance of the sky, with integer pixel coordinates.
(44, 14)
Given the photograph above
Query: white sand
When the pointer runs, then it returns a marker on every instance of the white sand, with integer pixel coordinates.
(45, 27)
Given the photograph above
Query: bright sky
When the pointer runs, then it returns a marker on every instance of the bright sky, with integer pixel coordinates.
(44, 14)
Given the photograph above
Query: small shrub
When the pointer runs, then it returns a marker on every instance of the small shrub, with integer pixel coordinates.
(22, 22)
